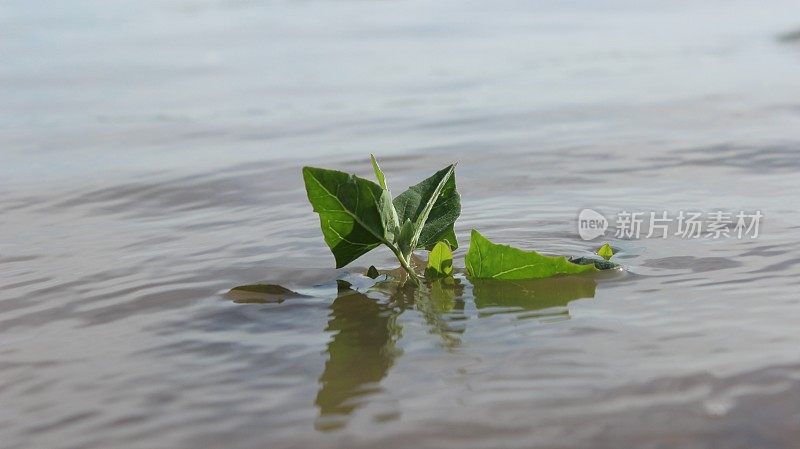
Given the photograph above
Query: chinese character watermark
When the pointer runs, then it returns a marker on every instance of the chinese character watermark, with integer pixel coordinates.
(662, 224)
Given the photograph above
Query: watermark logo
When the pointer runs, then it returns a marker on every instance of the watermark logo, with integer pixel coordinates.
(683, 224)
(591, 224)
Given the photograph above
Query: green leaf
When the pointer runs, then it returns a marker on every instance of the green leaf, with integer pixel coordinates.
(440, 262)
(605, 251)
(388, 217)
(378, 172)
(433, 206)
(490, 260)
(448, 237)
(348, 212)
(405, 237)
(357, 215)
(391, 224)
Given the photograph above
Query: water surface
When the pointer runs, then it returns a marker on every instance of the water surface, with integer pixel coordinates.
(150, 157)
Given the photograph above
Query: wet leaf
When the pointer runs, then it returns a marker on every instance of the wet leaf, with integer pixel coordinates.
(433, 206)
(449, 237)
(405, 237)
(487, 260)
(391, 226)
(372, 272)
(357, 215)
(348, 211)
(598, 263)
(605, 251)
(262, 293)
(378, 172)
(440, 262)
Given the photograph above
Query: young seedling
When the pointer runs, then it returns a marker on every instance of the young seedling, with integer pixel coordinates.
(440, 262)
(605, 251)
(357, 215)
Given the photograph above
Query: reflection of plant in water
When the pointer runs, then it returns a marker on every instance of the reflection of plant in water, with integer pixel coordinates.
(359, 355)
(443, 296)
(365, 326)
(363, 346)
(356, 216)
(530, 294)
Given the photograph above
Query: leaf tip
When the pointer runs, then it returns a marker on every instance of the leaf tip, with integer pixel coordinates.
(378, 172)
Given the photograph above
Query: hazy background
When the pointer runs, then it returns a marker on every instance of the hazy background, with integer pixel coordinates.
(90, 88)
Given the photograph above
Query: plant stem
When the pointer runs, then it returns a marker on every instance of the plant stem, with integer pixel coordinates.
(406, 266)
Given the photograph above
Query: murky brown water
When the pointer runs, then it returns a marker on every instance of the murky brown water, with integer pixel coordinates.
(150, 158)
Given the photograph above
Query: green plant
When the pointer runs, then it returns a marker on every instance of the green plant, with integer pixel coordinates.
(440, 262)
(488, 260)
(605, 251)
(358, 215)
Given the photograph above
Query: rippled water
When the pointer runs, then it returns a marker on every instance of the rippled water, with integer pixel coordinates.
(150, 158)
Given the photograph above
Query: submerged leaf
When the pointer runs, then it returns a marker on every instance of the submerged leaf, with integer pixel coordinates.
(598, 263)
(271, 289)
(490, 260)
(348, 212)
(372, 272)
(433, 206)
(262, 293)
(605, 251)
(440, 262)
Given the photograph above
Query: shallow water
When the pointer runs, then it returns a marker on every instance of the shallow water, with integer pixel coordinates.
(150, 156)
